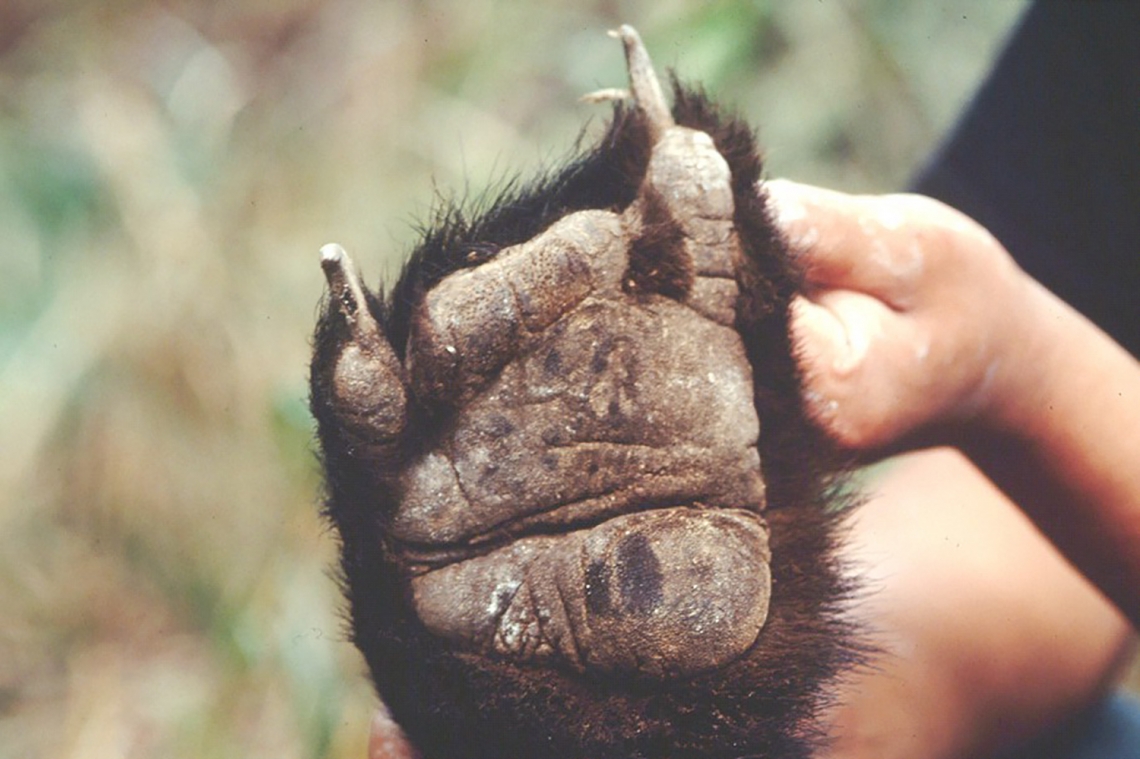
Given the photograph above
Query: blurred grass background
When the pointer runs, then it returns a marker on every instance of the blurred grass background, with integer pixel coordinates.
(168, 171)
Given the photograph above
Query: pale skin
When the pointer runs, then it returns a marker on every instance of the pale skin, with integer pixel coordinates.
(918, 329)
(937, 336)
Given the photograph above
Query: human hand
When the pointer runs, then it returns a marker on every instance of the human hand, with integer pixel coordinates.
(917, 328)
(913, 317)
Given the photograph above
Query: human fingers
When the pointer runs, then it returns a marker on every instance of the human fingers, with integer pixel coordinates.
(860, 368)
(878, 245)
(905, 314)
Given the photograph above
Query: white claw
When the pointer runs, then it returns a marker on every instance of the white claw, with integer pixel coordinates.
(332, 253)
(647, 92)
(345, 288)
(606, 95)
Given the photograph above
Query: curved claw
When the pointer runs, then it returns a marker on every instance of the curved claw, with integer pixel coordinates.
(368, 391)
(347, 293)
(647, 92)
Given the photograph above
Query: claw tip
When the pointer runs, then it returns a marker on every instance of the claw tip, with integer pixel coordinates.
(332, 253)
(647, 92)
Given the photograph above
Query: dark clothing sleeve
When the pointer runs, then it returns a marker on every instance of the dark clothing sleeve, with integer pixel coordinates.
(1047, 157)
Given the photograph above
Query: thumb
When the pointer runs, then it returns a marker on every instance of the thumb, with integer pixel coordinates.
(836, 336)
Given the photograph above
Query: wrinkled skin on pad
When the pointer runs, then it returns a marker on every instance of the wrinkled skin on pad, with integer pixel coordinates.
(659, 592)
(582, 511)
